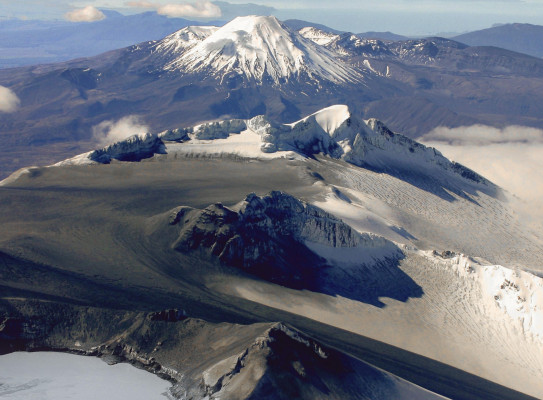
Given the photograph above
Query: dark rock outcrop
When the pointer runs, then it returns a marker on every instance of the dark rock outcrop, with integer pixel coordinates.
(286, 241)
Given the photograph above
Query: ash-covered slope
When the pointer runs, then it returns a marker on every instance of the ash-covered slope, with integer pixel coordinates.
(283, 363)
(368, 152)
(111, 242)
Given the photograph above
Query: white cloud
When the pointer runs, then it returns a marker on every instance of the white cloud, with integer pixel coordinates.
(480, 135)
(108, 132)
(142, 4)
(9, 102)
(198, 9)
(511, 157)
(202, 9)
(86, 14)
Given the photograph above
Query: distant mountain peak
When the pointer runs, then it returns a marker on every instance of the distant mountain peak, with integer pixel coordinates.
(519, 37)
(318, 35)
(260, 48)
(184, 39)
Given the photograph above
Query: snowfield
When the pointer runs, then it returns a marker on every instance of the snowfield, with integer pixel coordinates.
(58, 376)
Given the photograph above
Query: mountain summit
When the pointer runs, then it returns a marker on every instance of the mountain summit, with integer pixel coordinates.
(261, 49)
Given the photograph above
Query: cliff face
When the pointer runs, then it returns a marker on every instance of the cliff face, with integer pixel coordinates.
(289, 242)
(265, 235)
(135, 148)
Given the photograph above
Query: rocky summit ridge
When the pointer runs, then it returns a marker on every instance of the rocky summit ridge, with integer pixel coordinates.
(334, 131)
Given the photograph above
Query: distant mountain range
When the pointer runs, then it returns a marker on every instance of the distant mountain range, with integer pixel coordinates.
(382, 36)
(258, 65)
(297, 24)
(29, 42)
(37, 42)
(522, 38)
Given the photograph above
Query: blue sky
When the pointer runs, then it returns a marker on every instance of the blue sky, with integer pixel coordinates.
(414, 17)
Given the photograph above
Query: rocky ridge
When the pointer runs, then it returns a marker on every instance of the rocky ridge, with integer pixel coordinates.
(265, 361)
(333, 131)
(283, 240)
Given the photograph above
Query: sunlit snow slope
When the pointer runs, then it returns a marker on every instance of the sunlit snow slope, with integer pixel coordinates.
(259, 48)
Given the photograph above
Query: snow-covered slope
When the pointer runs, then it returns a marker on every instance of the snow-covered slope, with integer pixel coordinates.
(517, 293)
(261, 49)
(184, 39)
(317, 35)
(333, 131)
(483, 319)
(347, 43)
(336, 132)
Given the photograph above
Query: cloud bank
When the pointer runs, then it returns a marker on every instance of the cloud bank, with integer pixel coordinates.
(9, 102)
(482, 135)
(511, 157)
(86, 14)
(198, 9)
(108, 132)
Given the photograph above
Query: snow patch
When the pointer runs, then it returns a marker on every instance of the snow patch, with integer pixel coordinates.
(356, 214)
(516, 293)
(329, 119)
(184, 39)
(59, 376)
(246, 144)
(318, 36)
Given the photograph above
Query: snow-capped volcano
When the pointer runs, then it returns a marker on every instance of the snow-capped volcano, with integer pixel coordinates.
(259, 48)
